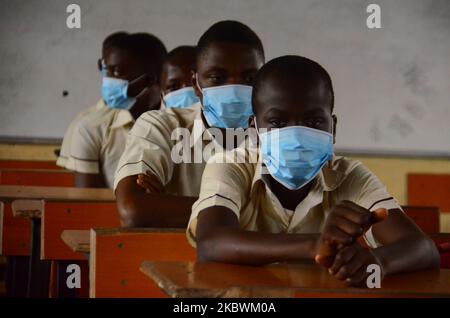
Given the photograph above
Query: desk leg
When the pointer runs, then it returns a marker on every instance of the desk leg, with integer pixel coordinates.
(16, 276)
(39, 271)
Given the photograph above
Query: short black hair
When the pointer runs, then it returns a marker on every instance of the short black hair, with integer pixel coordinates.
(113, 38)
(229, 31)
(181, 51)
(143, 46)
(293, 67)
(187, 52)
(148, 47)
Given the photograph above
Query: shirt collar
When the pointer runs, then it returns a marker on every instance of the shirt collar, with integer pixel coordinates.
(101, 104)
(122, 118)
(199, 126)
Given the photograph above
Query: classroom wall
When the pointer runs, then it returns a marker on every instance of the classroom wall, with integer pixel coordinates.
(391, 84)
(392, 171)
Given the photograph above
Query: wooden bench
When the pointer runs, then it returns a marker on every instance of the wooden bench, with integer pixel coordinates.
(196, 279)
(116, 255)
(427, 189)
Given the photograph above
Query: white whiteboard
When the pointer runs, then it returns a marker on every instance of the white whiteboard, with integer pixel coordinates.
(392, 84)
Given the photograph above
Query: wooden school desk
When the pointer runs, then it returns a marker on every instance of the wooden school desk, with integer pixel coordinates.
(196, 279)
(77, 240)
(27, 203)
(28, 164)
(116, 254)
(37, 177)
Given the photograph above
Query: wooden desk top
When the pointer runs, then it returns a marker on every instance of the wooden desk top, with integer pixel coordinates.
(10, 193)
(196, 279)
(77, 240)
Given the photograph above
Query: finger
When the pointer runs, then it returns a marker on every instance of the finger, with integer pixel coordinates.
(336, 236)
(347, 226)
(378, 215)
(342, 257)
(144, 183)
(152, 179)
(358, 278)
(348, 270)
(325, 254)
(352, 214)
(149, 188)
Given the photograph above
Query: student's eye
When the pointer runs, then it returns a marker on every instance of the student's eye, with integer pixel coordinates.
(173, 87)
(315, 122)
(249, 79)
(213, 78)
(276, 123)
(116, 73)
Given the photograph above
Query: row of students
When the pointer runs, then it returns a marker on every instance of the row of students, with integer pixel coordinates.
(276, 208)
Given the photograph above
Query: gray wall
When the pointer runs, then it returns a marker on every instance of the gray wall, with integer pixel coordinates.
(392, 85)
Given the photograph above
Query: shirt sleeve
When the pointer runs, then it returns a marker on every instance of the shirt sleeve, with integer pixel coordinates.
(64, 152)
(362, 187)
(85, 146)
(223, 184)
(148, 148)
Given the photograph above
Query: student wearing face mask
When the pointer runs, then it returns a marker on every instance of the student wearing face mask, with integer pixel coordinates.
(300, 198)
(176, 78)
(229, 54)
(130, 67)
(65, 147)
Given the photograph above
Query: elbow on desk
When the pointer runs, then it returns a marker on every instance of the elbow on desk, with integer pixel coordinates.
(435, 258)
(129, 214)
(215, 248)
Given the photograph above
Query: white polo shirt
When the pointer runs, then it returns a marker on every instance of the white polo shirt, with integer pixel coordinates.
(150, 146)
(240, 188)
(98, 140)
(64, 152)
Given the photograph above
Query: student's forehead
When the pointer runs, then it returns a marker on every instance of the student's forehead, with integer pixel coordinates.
(277, 94)
(171, 70)
(223, 55)
(116, 56)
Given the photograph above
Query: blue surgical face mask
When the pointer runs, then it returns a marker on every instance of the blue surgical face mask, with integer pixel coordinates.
(181, 98)
(114, 92)
(227, 106)
(295, 155)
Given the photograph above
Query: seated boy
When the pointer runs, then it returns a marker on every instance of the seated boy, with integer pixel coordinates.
(229, 54)
(176, 78)
(299, 195)
(130, 87)
(65, 147)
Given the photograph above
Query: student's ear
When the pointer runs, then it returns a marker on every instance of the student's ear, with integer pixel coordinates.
(99, 64)
(334, 128)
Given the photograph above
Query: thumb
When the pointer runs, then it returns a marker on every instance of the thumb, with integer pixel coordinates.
(378, 215)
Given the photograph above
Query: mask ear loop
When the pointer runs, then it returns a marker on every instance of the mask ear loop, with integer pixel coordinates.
(329, 162)
(197, 84)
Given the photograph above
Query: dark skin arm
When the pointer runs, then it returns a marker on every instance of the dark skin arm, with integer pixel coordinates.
(405, 248)
(89, 180)
(145, 205)
(219, 239)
